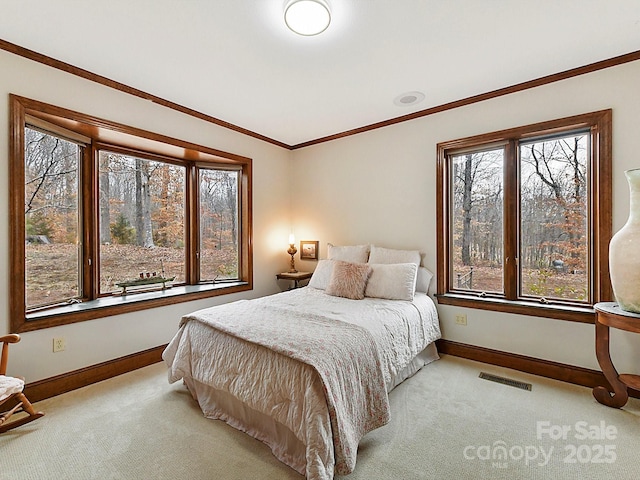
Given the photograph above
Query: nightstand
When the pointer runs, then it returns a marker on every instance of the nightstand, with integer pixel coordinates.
(296, 277)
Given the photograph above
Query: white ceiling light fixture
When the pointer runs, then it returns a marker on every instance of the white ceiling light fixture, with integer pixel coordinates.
(408, 99)
(307, 17)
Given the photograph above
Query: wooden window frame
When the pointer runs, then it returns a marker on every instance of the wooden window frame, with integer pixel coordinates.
(600, 225)
(105, 134)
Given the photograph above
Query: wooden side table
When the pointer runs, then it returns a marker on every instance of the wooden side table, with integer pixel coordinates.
(296, 277)
(609, 314)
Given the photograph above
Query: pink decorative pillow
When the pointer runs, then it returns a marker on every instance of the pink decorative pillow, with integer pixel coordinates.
(348, 280)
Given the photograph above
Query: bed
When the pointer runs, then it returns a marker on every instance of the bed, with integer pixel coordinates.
(308, 371)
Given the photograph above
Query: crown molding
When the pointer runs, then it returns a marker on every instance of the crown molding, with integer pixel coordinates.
(556, 77)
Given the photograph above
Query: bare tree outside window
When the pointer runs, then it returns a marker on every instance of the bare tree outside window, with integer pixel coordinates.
(477, 221)
(51, 219)
(553, 252)
(526, 218)
(142, 202)
(554, 246)
(218, 224)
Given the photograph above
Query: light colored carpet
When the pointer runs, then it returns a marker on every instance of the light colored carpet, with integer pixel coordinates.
(445, 422)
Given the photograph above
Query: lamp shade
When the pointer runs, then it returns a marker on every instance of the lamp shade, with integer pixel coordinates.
(307, 17)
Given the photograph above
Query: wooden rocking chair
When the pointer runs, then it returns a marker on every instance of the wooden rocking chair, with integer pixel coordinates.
(11, 389)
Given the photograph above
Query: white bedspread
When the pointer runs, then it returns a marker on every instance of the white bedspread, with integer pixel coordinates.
(401, 329)
(289, 391)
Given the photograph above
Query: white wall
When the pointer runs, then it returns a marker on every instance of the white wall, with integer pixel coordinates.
(376, 187)
(96, 341)
(379, 187)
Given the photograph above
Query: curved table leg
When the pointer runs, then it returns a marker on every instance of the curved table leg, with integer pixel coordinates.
(601, 394)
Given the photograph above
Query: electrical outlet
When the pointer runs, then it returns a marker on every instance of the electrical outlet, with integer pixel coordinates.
(58, 344)
(461, 319)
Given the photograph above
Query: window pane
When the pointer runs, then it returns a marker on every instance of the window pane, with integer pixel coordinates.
(51, 219)
(141, 220)
(554, 246)
(477, 214)
(218, 224)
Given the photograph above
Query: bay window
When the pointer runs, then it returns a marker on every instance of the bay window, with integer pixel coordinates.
(97, 205)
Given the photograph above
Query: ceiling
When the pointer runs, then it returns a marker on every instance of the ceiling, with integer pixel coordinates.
(235, 60)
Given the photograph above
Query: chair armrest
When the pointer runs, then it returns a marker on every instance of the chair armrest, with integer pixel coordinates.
(4, 357)
(11, 338)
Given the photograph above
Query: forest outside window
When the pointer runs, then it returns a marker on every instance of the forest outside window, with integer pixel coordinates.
(141, 220)
(526, 218)
(95, 204)
(52, 218)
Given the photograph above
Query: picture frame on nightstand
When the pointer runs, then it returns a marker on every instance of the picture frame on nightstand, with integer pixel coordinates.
(309, 249)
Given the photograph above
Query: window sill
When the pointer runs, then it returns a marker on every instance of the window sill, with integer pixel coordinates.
(130, 302)
(521, 307)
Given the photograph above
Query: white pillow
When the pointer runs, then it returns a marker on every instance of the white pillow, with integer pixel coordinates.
(392, 281)
(390, 255)
(423, 280)
(351, 253)
(321, 275)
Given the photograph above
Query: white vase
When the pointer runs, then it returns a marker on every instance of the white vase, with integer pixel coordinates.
(624, 252)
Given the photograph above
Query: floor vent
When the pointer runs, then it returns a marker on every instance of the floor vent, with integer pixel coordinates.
(505, 381)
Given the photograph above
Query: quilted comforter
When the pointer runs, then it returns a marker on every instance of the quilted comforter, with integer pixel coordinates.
(320, 365)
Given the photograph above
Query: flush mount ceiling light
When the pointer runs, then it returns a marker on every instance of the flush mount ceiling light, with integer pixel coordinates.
(408, 99)
(307, 17)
